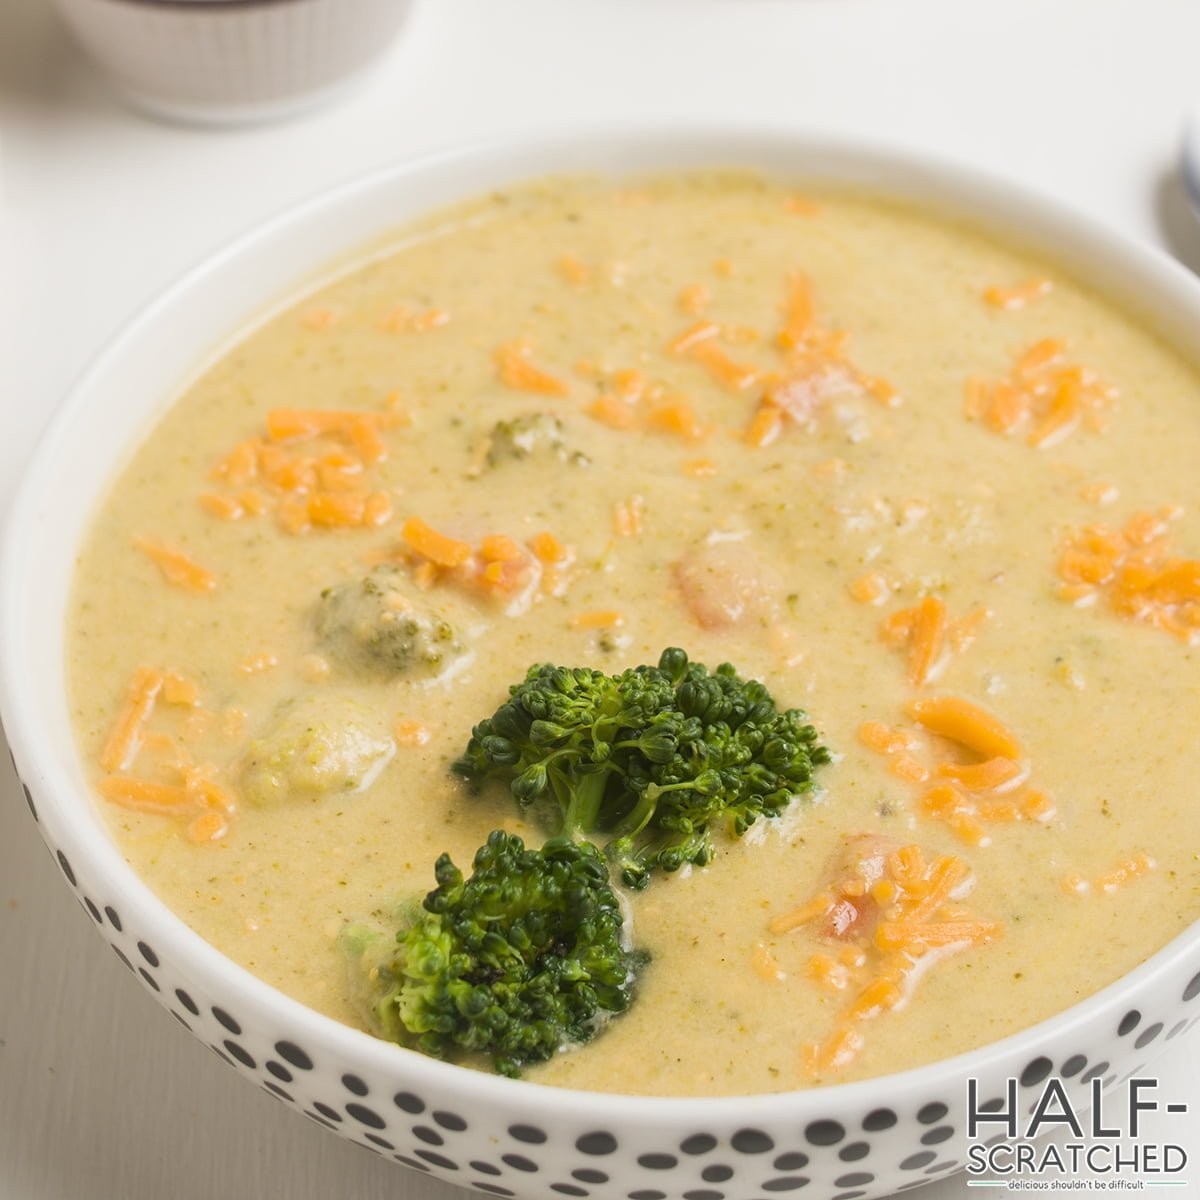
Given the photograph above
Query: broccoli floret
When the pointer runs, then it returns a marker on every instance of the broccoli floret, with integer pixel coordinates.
(371, 625)
(534, 434)
(314, 747)
(523, 959)
(652, 759)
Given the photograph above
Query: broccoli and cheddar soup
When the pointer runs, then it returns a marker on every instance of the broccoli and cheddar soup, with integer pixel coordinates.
(933, 501)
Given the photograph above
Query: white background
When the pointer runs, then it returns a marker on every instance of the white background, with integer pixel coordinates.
(101, 1095)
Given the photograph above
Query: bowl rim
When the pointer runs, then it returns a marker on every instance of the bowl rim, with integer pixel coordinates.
(1099, 254)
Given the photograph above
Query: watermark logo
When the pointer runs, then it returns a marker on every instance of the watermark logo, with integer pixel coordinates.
(1096, 1153)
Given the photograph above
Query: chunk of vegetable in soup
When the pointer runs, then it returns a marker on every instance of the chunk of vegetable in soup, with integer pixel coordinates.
(934, 493)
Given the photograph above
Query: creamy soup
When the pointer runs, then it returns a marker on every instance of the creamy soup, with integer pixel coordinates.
(931, 491)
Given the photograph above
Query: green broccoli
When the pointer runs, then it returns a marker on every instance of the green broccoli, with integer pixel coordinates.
(533, 434)
(523, 959)
(373, 626)
(652, 759)
(314, 746)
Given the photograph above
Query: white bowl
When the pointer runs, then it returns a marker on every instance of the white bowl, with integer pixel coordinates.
(506, 1137)
(233, 61)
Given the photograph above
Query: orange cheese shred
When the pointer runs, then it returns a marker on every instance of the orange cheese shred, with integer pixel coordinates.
(607, 618)
(798, 313)
(928, 637)
(966, 723)
(894, 935)
(517, 371)
(143, 794)
(691, 337)
(983, 776)
(548, 549)
(613, 412)
(176, 567)
(436, 547)
(1018, 296)
(411, 732)
(677, 418)
(694, 299)
(122, 745)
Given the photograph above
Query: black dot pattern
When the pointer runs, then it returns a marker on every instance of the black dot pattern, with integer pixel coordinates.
(1036, 1071)
(530, 1134)
(438, 1160)
(596, 1143)
(225, 1019)
(365, 1116)
(65, 867)
(243, 1056)
(1148, 1035)
(29, 802)
(291, 1053)
(937, 1135)
(657, 1162)
(824, 1133)
(793, 1160)
(751, 1141)
(519, 1162)
(857, 1155)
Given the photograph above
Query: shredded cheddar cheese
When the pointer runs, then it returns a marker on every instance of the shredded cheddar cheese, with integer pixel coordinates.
(1044, 395)
(1136, 572)
(176, 567)
(891, 910)
(516, 370)
(1019, 295)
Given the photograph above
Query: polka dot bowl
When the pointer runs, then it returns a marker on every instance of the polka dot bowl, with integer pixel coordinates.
(504, 1137)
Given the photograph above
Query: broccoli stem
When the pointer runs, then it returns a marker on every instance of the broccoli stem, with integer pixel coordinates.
(584, 795)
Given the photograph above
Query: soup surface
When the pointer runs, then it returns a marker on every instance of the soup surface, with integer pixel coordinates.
(936, 494)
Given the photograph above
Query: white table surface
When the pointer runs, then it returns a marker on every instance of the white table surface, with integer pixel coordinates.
(101, 1095)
